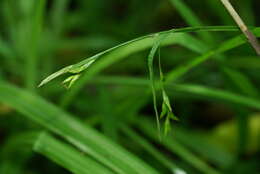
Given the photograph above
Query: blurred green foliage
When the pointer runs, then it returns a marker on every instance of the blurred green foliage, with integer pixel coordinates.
(106, 122)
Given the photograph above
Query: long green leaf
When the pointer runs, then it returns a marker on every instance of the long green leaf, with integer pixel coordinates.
(148, 129)
(199, 90)
(83, 137)
(124, 51)
(152, 150)
(245, 62)
(228, 45)
(32, 41)
(218, 94)
(119, 52)
(68, 157)
(58, 14)
(243, 83)
(146, 40)
(189, 16)
(151, 74)
(197, 142)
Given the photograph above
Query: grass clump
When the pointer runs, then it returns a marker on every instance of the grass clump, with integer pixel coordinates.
(194, 68)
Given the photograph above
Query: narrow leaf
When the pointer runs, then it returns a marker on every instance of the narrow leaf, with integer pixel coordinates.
(68, 157)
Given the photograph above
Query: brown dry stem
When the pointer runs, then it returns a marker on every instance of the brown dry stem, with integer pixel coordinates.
(249, 35)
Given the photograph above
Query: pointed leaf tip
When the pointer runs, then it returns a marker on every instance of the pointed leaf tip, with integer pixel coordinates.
(54, 75)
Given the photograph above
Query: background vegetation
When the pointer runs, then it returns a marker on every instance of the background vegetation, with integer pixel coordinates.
(105, 123)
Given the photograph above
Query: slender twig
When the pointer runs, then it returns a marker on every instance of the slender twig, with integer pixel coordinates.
(250, 36)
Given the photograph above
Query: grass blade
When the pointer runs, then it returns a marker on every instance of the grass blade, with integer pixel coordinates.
(245, 62)
(152, 150)
(198, 143)
(35, 26)
(148, 41)
(148, 129)
(199, 90)
(119, 52)
(243, 83)
(68, 157)
(151, 75)
(218, 94)
(58, 14)
(190, 17)
(228, 45)
(83, 137)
